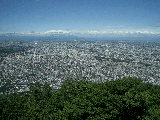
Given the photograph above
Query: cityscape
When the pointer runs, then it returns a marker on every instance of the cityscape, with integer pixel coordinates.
(80, 59)
(54, 61)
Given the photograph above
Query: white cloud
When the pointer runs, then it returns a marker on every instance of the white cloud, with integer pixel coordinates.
(138, 31)
(120, 32)
(114, 31)
(57, 32)
(128, 32)
(104, 32)
(93, 32)
(107, 32)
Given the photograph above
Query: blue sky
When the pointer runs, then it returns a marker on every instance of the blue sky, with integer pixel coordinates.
(80, 15)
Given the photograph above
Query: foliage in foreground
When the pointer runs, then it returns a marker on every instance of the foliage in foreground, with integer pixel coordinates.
(128, 98)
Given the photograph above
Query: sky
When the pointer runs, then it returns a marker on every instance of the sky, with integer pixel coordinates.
(98, 17)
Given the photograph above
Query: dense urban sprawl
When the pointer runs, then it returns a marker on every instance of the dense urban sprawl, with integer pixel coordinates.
(53, 62)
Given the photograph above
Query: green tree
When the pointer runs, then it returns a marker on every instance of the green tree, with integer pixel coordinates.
(128, 98)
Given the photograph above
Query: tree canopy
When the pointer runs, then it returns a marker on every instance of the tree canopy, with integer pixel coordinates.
(128, 98)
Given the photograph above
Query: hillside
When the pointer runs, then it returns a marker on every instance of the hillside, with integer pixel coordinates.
(128, 98)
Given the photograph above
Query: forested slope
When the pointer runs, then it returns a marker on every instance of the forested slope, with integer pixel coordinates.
(128, 98)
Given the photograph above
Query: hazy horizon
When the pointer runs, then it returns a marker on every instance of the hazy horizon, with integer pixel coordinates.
(85, 18)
